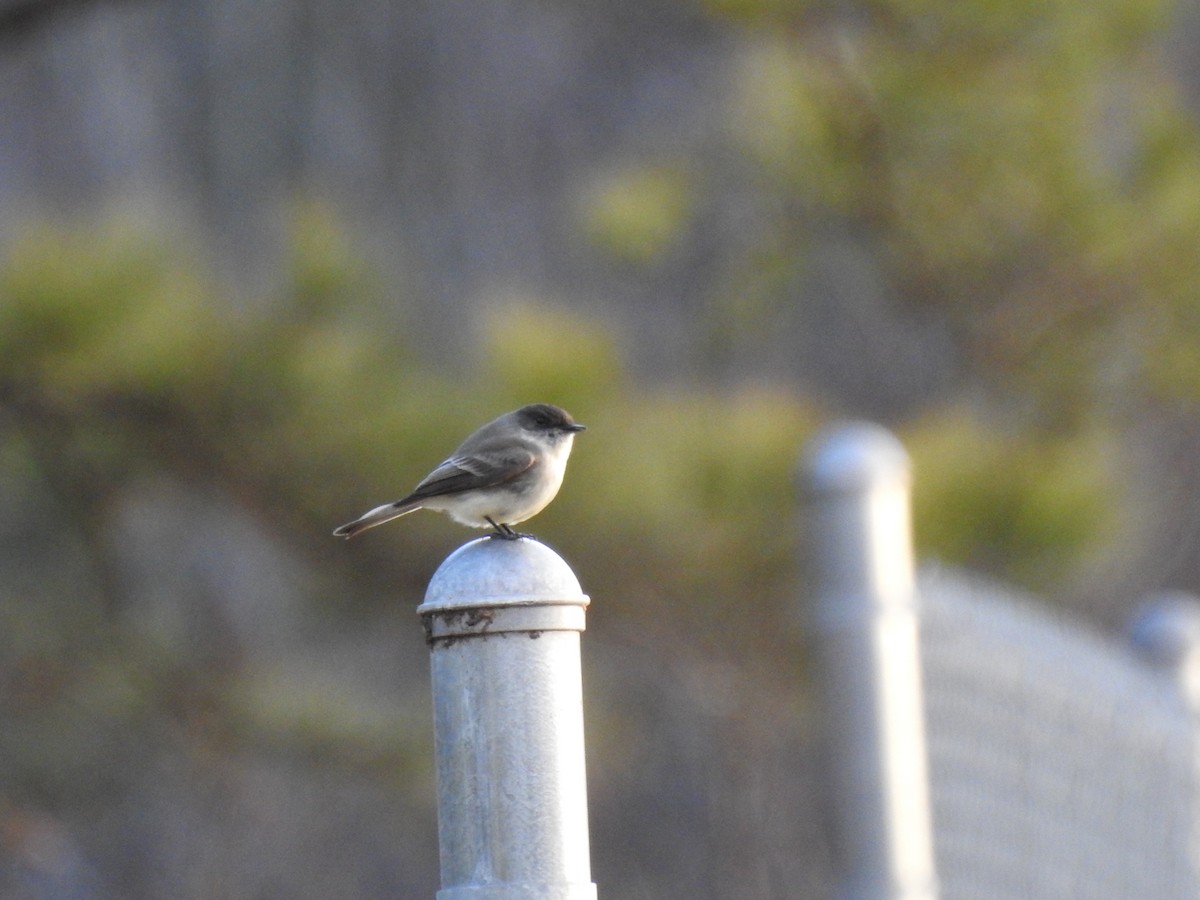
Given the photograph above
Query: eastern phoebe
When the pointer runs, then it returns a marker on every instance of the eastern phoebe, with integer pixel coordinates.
(504, 473)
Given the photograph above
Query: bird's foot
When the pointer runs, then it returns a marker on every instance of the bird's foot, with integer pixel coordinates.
(505, 532)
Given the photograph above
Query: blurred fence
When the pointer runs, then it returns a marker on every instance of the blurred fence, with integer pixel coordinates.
(1061, 765)
(1051, 764)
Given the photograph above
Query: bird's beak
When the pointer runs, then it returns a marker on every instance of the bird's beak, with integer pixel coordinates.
(575, 426)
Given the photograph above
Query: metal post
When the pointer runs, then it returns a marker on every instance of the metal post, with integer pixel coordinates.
(502, 619)
(857, 478)
(1166, 633)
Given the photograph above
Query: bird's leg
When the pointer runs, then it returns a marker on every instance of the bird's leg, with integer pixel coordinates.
(504, 531)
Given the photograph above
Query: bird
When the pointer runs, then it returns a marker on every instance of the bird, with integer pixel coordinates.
(505, 472)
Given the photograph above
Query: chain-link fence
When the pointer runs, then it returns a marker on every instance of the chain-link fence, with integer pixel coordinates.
(1060, 764)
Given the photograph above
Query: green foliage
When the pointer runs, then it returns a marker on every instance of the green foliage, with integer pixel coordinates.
(96, 312)
(797, 116)
(323, 266)
(691, 493)
(1024, 506)
(1029, 172)
(534, 350)
(637, 214)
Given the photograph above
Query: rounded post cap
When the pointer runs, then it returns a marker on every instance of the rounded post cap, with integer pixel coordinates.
(492, 572)
(1167, 628)
(853, 456)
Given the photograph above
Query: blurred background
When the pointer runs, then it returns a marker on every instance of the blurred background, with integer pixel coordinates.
(264, 262)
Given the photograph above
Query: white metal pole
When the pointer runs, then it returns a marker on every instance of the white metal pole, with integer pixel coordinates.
(503, 619)
(1166, 633)
(857, 479)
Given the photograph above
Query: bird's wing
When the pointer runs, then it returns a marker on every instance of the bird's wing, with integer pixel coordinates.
(470, 472)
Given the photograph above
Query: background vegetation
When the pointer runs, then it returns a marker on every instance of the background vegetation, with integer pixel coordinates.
(245, 295)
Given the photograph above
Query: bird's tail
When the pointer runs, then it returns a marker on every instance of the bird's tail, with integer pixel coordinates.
(377, 516)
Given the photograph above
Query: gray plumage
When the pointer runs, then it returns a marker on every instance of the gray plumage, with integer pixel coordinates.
(507, 471)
